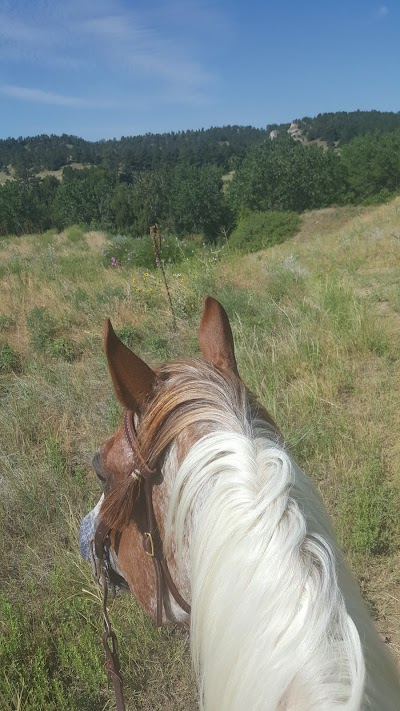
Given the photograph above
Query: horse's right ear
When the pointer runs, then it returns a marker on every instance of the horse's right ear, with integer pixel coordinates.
(133, 380)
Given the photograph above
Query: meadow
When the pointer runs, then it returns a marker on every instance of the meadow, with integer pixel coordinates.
(316, 322)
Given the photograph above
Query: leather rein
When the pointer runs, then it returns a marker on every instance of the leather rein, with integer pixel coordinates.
(110, 579)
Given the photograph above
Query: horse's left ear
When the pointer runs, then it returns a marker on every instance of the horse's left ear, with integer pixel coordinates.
(133, 380)
(215, 336)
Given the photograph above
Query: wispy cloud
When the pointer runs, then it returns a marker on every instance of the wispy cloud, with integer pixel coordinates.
(144, 51)
(106, 37)
(47, 97)
(18, 31)
(383, 11)
(39, 42)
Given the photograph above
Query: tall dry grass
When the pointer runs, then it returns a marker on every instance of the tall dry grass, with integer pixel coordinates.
(316, 322)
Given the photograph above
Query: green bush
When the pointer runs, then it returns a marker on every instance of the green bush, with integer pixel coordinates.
(64, 348)
(258, 230)
(138, 252)
(74, 234)
(9, 359)
(383, 196)
(130, 335)
(124, 251)
(174, 250)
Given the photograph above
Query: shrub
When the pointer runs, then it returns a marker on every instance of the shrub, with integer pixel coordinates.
(64, 348)
(9, 359)
(130, 335)
(383, 196)
(174, 250)
(258, 230)
(138, 252)
(74, 234)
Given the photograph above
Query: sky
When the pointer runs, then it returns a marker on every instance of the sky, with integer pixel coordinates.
(104, 69)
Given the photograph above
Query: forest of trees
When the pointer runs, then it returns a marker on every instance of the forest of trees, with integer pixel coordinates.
(223, 147)
(216, 146)
(342, 126)
(177, 179)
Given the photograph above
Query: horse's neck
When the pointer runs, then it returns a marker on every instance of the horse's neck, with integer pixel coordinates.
(249, 635)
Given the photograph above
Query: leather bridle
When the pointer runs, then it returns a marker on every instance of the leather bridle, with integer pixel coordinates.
(152, 544)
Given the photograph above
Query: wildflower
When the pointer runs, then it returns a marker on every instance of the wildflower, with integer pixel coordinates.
(182, 280)
(114, 262)
(145, 274)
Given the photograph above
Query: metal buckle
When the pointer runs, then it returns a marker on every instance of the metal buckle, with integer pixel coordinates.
(149, 537)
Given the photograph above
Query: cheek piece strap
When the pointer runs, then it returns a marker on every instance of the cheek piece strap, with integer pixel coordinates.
(100, 547)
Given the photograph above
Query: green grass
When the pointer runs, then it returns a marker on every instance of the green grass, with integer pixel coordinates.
(316, 326)
(9, 359)
(42, 328)
(368, 509)
(6, 322)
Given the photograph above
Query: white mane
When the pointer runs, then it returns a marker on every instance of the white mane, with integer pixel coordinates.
(276, 618)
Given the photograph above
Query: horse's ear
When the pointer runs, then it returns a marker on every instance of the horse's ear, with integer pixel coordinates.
(215, 336)
(133, 380)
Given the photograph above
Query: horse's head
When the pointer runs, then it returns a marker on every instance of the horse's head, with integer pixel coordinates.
(204, 511)
(166, 411)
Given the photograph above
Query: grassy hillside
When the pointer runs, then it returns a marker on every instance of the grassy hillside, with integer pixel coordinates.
(317, 326)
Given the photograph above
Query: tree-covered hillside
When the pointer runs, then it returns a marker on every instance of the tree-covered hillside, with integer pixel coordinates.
(214, 145)
(224, 147)
(342, 126)
(178, 181)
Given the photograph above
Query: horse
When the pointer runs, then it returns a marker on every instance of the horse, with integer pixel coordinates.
(198, 481)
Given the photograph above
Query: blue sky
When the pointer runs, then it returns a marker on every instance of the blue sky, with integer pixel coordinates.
(106, 68)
